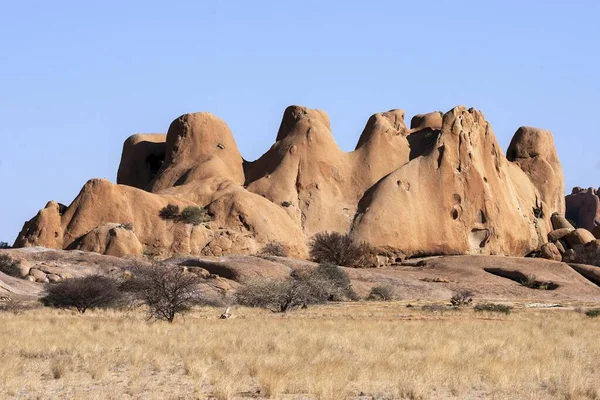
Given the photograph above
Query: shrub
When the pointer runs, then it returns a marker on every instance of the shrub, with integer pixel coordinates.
(286, 203)
(4, 245)
(593, 313)
(274, 248)
(13, 306)
(491, 307)
(82, 293)
(9, 266)
(333, 281)
(382, 292)
(461, 298)
(170, 211)
(166, 291)
(327, 282)
(339, 249)
(128, 226)
(194, 215)
(531, 282)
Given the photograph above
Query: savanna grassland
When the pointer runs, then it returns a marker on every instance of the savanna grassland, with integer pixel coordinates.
(335, 351)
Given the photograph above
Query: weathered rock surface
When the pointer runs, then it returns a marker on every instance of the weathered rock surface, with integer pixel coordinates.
(559, 234)
(551, 252)
(579, 236)
(534, 151)
(441, 187)
(141, 159)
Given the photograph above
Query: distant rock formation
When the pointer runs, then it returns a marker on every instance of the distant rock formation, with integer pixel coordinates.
(442, 186)
(583, 208)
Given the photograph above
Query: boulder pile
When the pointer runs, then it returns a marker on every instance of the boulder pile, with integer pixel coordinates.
(441, 186)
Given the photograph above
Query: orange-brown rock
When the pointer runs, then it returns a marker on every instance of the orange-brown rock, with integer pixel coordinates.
(534, 151)
(551, 252)
(579, 236)
(141, 159)
(441, 187)
(460, 196)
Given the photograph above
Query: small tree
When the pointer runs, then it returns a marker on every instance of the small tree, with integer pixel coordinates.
(166, 291)
(339, 249)
(82, 293)
(4, 245)
(170, 211)
(194, 215)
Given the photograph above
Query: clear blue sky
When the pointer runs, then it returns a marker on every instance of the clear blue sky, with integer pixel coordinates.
(77, 78)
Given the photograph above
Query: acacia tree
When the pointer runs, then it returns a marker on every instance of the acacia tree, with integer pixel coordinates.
(82, 293)
(166, 291)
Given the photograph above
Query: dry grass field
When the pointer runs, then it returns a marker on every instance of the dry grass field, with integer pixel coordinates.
(337, 351)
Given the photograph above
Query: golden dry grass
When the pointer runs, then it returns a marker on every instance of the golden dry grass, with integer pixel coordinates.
(338, 351)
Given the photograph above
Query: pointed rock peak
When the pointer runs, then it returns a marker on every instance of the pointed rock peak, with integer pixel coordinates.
(529, 142)
(432, 120)
(293, 114)
(390, 121)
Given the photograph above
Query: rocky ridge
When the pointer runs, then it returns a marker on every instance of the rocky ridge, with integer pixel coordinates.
(442, 186)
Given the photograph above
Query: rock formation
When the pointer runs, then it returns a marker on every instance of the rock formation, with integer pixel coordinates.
(583, 208)
(442, 186)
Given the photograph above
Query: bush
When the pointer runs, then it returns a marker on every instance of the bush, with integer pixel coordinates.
(82, 293)
(383, 292)
(9, 266)
(170, 211)
(276, 249)
(461, 298)
(286, 203)
(128, 226)
(339, 249)
(13, 306)
(531, 282)
(166, 291)
(491, 307)
(194, 215)
(333, 281)
(4, 245)
(593, 313)
(327, 282)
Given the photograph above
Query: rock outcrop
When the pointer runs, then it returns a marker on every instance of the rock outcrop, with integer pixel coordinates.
(583, 208)
(441, 187)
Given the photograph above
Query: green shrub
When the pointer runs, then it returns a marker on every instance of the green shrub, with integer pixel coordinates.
(194, 215)
(286, 203)
(4, 245)
(491, 307)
